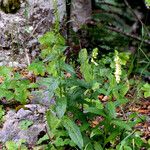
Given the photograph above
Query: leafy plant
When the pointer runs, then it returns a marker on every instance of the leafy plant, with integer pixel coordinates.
(86, 98)
(14, 86)
(11, 145)
(146, 89)
(72, 118)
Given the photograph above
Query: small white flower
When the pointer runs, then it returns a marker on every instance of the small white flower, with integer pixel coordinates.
(117, 67)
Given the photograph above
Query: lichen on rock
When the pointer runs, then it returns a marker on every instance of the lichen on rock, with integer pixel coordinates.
(20, 31)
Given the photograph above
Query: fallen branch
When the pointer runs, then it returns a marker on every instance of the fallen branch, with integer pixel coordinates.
(129, 35)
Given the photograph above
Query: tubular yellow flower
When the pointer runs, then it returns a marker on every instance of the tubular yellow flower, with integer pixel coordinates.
(117, 67)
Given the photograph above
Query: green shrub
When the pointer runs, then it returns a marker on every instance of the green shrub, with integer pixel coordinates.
(72, 119)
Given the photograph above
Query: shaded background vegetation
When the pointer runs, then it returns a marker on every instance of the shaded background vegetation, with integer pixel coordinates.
(117, 24)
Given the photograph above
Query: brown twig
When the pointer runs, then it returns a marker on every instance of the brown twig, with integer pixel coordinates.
(129, 35)
(127, 4)
(48, 134)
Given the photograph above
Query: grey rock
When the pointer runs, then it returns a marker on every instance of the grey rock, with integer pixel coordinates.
(12, 131)
(19, 32)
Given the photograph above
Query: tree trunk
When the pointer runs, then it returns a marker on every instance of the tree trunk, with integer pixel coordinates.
(81, 11)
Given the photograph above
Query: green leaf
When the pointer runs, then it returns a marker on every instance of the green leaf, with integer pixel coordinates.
(62, 142)
(97, 146)
(83, 55)
(61, 105)
(146, 89)
(96, 131)
(127, 147)
(52, 120)
(112, 136)
(121, 124)
(21, 95)
(5, 71)
(33, 85)
(10, 145)
(111, 109)
(89, 146)
(124, 57)
(24, 124)
(138, 141)
(44, 138)
(74, 131)
(85, 68)
(37, 67)
(7, 94)
(48, 39)
(94, 110)
(68, 68)
(99, 105)
(124, 89)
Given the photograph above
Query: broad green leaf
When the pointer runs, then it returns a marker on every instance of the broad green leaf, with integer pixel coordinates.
(61, 105)
(60, 39)
(48, 39)
(52, 120)
(138, 141)
(96, 131)
(85, 68)
(124, 57)
(99, 105)
(121, 124)
(97, 146)
(146, 89)
(111, 109)
(127, 147)
(21, 95)
(94, 110)
(10, 145)
(112, 136)
(59, 142)
(5, 72)
(68, 68)
(124, 89)
(37, 67)
(89, 146)
(7, 94)
(62, 142)
(74, 131)
(51, 68)
(44, 138)
(33, 85)
(83, 56)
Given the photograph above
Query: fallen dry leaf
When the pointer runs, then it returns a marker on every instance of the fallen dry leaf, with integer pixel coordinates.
(1, 79)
